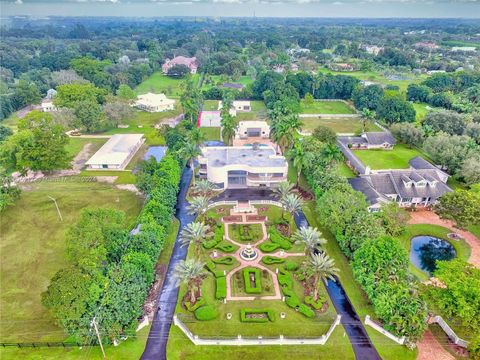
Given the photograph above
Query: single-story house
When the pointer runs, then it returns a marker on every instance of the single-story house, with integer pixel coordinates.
(419, 163)
(242, 166)
(405, 187)
(116, 153)
(190, 62)
(237, 106)
(154, 102)
(47, 105)
(209, 119)
(369, 140)
(248, 129)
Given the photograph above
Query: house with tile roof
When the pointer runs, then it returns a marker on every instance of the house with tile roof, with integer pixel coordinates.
(190, 62)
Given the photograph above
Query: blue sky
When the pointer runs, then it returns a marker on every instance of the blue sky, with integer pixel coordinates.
(262, 8)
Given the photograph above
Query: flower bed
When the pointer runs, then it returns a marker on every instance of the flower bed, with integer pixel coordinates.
(257, 315)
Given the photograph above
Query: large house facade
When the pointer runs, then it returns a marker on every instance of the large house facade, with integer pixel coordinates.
(242, 166)
(190, 62)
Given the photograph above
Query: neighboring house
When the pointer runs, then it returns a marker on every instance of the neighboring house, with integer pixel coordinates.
(154, 102)
(432, 72)
(233, 86)
(419, 163)
(248, 129)
(116, 153)
(369, 140)
(298, 52)
(191, 63)
(209, 119)
(464, 48)
(373, 49)
(294, 67)
(51, 93)
(47, 105)
(279, 69)
(237, 106)
(242, 166)
(426, 46)
(341, 67)
(418, 188)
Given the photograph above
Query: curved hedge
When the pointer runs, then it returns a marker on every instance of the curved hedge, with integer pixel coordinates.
(291, 266)
(200, 302)
(225, 247)
(277, 238)
(317, 305)
(224, 260)
(268, 247)
(205, 313)
(271, 260)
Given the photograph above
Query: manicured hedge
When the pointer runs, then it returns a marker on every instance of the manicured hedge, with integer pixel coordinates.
(212, 268)
(285, 279)
(221, 288)
(200, 302)
(268, 247)
(224, 260)
(317, 305)
(292, 301)
(291, 266)
(305, 310)
(270, 260)
(246, 277)
(225, 247)
(217, 238)
(209, 244)
(205, 313)
(277, 238)
(270, 315)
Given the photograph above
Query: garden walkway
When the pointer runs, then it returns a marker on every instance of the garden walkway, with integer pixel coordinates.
(429, 217)
(429, 348)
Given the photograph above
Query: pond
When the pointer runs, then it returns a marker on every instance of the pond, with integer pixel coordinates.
(426, 250)
(158, 152)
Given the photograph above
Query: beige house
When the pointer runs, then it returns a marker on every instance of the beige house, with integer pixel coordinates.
(47, 105)
(242, 166)
(154, 102)
(116, 153)
(255, 129)
(237, 106)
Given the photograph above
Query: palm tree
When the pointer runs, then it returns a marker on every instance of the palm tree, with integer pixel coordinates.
(367, 115)
(311, 237)
(284, 188)
(198, 205)
(194, 233)
(190, 151)
(189, 272)
(204, 187)
(321, 267)
(229, 127)
(292, 203)
(196, 136)
(285, 128)
(299, 157)
(331, 153)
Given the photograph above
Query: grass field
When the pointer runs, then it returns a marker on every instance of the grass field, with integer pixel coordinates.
(218, 80)
(326, 107)
(387, 159)
(123, 177)
(211, 133)
(159, 83)
(259, 112)
(33, 249)
(210, 105)
(339, 125)
(76, 144)
(344, 170)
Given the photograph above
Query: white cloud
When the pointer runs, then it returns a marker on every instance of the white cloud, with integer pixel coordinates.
(18, 2)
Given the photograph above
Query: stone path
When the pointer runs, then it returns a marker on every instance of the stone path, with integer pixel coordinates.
(429, 217)
(429, 348)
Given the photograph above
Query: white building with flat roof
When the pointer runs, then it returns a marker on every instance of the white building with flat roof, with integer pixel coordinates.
(47, 105)
(154, 102)
(242, 166)
(116, 153)
(252, 129)
(238, 106)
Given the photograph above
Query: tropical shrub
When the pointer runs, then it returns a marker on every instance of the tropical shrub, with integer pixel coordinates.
(205, 313)
(291, 266)
(317, 305)
(292, 301)
(277, 238)
(200, 302)
(285, 279)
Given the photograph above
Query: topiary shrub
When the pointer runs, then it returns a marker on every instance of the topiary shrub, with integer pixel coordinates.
(286, 291)
(221, 288)
(292, 301)
(291, 266)
(249, 289)
(205, 313)
(224, 260)
(225, 247)
(211, 267)
(285, 280)
(271, 260)
(270, 315)
(200, 302)
(305, 310)
(277, 238)
(268, 247)
(317, 305)
(209, 244)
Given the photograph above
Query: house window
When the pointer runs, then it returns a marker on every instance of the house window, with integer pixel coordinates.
(104, 166)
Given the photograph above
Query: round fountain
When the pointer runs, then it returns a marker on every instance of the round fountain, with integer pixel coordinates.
(248, 253)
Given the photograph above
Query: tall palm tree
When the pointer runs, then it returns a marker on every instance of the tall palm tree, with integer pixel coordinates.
(229, 127)
(292, 204)
(284, 188)
(321, 267)
(311, 237)
(285, 128)
(189, 272)
(204, 187)
(198, 205)
(194, 233)
(299, 157)
(196, 136)
(367, 115)
(190, 151)
(331, 153)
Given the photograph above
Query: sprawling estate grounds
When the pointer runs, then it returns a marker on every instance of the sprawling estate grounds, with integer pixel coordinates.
(245, 297)
(33, 249)
(339, 125)
(397, 158)
(326, 107)
(160, 83)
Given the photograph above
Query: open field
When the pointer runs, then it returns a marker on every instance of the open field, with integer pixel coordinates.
(159, 83)
(33, 249)
(387, 159)
(344, 170)
(326, 107)
(76, 144)
(259, 112)
(339, 125)
(218, 80)
(211, 133)
(210, 105)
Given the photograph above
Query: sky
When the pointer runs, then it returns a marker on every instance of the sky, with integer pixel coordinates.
(261, 8)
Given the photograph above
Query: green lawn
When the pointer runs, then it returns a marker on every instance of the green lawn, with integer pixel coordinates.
(461, 247)
(219, 80)
(344, 170)
(421, 110)
(326, 107)
(210, 105)
(33, 249)
(123, 177)
(339, 125)
(475, 230)
(159, 83)
(211, 133)
(387, 159)
(258, 112)
(77, 143)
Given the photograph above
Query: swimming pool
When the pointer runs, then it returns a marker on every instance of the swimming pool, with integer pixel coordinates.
(158, 152)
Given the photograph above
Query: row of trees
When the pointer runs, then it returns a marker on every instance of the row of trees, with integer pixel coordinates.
(110, 270)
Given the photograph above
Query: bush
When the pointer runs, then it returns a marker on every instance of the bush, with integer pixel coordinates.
(246, 277)
(305, 310)
(317, 305)
(285, 280)
(268, 247)
(291, 266)
(292, 301)
(209, 244)
(269, 312)
(200, 302)
(225, 247)
(224, 260)
(221, 288)
(205, 313)
(270, 260)
(212, 268)
(277, 238)
(286, 291)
